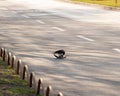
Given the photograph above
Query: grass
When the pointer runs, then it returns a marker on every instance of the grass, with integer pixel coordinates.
(11, 84)
(111, 3)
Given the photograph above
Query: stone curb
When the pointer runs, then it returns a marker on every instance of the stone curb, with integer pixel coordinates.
(25, 74)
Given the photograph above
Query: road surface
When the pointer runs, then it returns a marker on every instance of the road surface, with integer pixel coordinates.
(33, 30)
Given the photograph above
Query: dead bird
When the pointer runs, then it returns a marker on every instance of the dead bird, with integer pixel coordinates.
(60, 54)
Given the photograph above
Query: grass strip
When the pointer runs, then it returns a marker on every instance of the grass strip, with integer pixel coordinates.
(11, 84)
(111, 3)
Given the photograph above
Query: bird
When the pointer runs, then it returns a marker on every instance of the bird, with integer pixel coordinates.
(60, 54)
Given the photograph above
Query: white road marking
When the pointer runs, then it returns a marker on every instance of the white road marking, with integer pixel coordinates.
(57, 28)
(3, 8)
(85, 38)
(25, 16)
(14, 12)
(43, 14)
(40, 21)
(116, 49)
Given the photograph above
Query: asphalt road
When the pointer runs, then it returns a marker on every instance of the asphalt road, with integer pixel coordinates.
(90, 36)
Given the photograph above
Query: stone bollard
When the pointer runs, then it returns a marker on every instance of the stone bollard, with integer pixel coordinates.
(25, 70)
(1, 51)
(18, 66)
(9, 58)
(13, 61)
(31, 79)
(59, 94)
(4, 54)
(36, 85)
(39, 86)
(48, 90)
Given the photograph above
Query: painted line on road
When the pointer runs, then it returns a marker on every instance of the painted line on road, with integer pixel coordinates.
(57, 28)
(40, 21)
(43, 14)
(116, 49)
(85, 38)
(25, 16)
(14, 12)
(3, 8)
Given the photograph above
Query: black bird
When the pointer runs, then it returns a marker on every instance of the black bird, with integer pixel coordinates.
(59, 54)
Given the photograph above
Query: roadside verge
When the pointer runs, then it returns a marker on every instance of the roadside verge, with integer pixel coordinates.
(11, 84)
(94, 5)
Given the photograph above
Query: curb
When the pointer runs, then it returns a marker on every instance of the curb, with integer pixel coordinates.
(25, 74)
